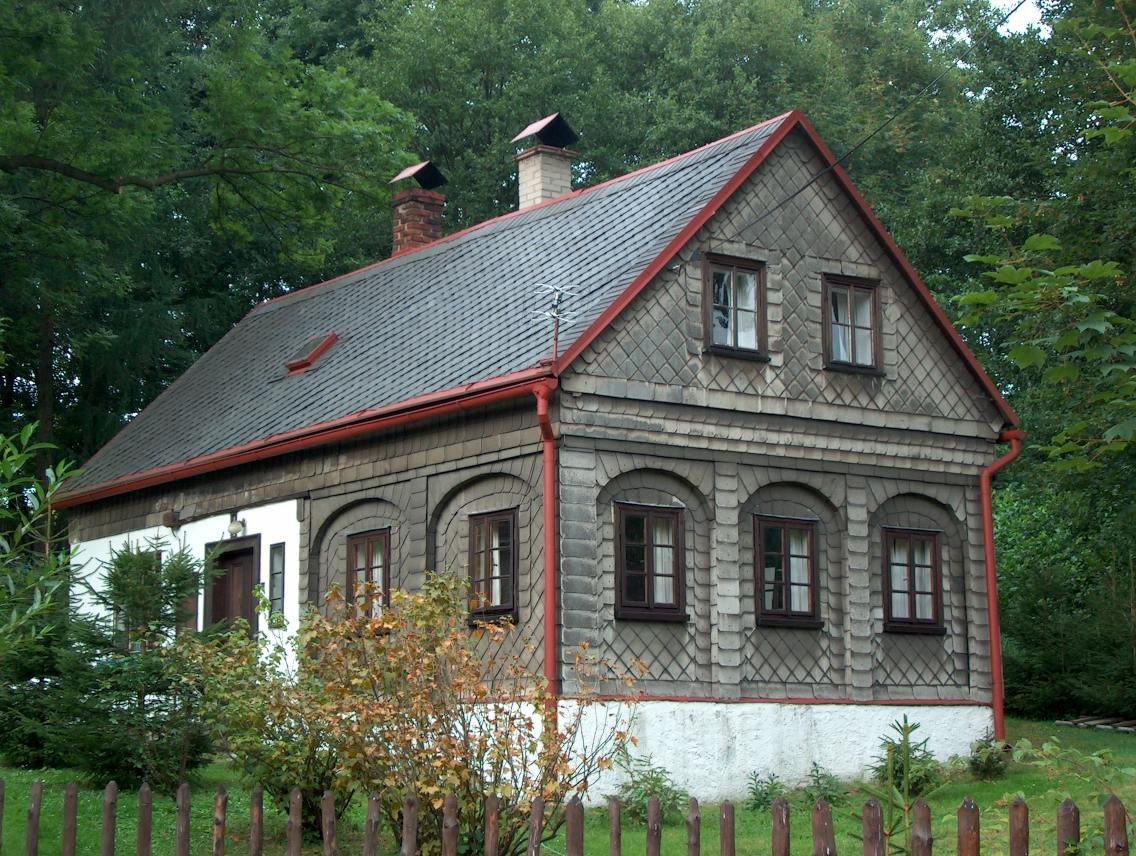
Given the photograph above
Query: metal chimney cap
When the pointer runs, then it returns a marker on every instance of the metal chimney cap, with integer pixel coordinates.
(552, 130)
(426, 174)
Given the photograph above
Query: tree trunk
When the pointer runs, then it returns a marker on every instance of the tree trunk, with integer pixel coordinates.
(45, 381)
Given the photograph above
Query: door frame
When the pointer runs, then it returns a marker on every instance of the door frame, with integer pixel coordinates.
(217, 550)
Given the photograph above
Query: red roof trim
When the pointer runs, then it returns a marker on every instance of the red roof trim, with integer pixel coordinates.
(297, 366)
(794, 120)
(431, 405)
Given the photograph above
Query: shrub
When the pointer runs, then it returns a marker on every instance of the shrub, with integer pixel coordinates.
(645, 780)
(763, 790)
(822, 785)
(405, 699)
(906, 763)
(988, 758)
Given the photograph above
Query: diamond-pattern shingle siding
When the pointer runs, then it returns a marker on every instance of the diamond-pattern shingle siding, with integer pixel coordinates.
(460, 311)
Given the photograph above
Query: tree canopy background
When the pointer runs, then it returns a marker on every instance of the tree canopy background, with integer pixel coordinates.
(165, 164)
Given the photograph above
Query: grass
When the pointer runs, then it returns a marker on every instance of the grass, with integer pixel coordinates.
(753, 829)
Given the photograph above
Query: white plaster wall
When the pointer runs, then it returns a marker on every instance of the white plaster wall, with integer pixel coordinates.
(711, 748)
(275, 523)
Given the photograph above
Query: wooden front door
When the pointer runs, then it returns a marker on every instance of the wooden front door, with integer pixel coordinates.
(231, 589)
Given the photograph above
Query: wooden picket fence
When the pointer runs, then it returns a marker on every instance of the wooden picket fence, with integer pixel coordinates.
(875, 843)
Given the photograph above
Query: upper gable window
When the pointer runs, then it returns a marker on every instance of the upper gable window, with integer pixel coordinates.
(734, 299)
(851, 323)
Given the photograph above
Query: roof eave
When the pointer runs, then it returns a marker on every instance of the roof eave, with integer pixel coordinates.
(357, 425)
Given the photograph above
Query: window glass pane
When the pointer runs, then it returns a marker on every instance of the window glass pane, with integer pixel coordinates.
(864, 353)
(774, 598)
(924, 607)
(898, 552)
(634, 558)
(720, 325)
(276, 578)
(747, 329)
(771, 538)
(502, 533)
(635, 588)
(899, 606)
(634, 528)
(799, 569)
(922, 579)
(862, 308)
(922, 548)
(359, 554)
(664, 590)
(841, 343)
(899, 578)
(799, 542)
(496, 591)
(747, 289)
(662, 531)
(838, 305)
(722, 288)
(773, 568)
(799, 599)
(664, 560)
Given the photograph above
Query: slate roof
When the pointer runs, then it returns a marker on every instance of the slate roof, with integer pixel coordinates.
(461, 310)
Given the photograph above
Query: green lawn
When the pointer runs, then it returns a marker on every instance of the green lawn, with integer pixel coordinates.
(753, 830)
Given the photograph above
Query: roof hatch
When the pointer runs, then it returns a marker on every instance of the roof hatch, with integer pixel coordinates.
(311, 351)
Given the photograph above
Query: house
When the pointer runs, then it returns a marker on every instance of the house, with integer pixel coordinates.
(704, 415)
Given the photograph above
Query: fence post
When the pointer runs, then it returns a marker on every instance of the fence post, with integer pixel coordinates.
(574, 831)
(968, 840)
(181, 825)
(327, 824)
(256, 822)
(693, 829)
(31, 835)
(70, 819)
(726, 837)
(536, 825)
(1115, 828)
(220, 807)
(614, 828)
(409, 826)
(110, 810)
(143, 846)
(295, 822)
(824, 839)
(872, 820)
(492, 825)
(450, 826)
(654, 827)
(921, 838)
(780, 832)
(1068, 828)
(1019, 828)
(371, 830)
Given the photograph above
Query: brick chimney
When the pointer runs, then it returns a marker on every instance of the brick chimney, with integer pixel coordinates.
(417, 211)
(544, 171)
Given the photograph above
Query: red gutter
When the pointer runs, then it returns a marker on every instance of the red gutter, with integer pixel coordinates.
(997, 688)
(430, 405)
(543, 392)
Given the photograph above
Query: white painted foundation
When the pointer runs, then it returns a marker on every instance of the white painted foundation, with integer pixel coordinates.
(710, 748)
(275, 523)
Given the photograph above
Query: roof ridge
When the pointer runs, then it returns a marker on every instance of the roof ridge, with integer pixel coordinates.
(508, 215)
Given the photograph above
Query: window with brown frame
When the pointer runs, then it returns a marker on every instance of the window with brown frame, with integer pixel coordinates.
(493, 564)
(734, 299)
(368, 561)
(851, 324)
(650, 578)
(786, 572)
(912, 583)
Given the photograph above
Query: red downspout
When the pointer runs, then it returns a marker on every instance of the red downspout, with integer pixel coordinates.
(1014, 438)
(543, 393)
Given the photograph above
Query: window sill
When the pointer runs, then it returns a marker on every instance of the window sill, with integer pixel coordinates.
(852, 368)
(915, 629)
(790, 622)
(495, 617)
(737, 353)
(633, 614)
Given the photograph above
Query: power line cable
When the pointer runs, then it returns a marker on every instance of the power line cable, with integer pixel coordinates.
(915, 98)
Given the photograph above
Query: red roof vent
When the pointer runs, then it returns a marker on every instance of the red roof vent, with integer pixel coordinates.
(311, 351)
